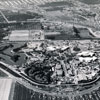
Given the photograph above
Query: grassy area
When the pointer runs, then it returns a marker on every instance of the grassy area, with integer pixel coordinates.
(2, 74)
(55, 4)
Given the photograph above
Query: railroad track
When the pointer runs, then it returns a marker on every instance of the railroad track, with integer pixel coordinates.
(24, 76)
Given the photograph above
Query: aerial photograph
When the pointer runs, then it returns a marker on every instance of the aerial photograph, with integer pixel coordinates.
(49, 49)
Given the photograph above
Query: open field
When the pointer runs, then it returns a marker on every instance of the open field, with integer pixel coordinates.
(5, 88)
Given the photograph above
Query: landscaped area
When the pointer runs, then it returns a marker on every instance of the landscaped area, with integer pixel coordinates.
(55, 62)
(61, 62)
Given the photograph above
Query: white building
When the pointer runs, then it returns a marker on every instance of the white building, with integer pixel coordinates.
(86, 56)
(26, 35)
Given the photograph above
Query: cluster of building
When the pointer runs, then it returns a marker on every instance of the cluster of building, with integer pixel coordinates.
(67, 65)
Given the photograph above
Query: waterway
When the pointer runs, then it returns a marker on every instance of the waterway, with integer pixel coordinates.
(7, 56)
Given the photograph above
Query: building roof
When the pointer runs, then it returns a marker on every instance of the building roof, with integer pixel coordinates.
(52, 33)
(26, 35)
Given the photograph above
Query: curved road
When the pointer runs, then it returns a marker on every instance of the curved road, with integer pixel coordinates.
(92, 93)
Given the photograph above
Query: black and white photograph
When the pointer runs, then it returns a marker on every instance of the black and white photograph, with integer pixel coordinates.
(49, 49)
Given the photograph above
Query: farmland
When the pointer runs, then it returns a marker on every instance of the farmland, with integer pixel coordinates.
(23, 93)
(5, 88)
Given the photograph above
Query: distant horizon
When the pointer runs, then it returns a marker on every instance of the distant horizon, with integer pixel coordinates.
(90, 1)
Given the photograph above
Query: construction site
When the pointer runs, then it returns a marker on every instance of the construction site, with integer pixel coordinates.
(49, 50)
